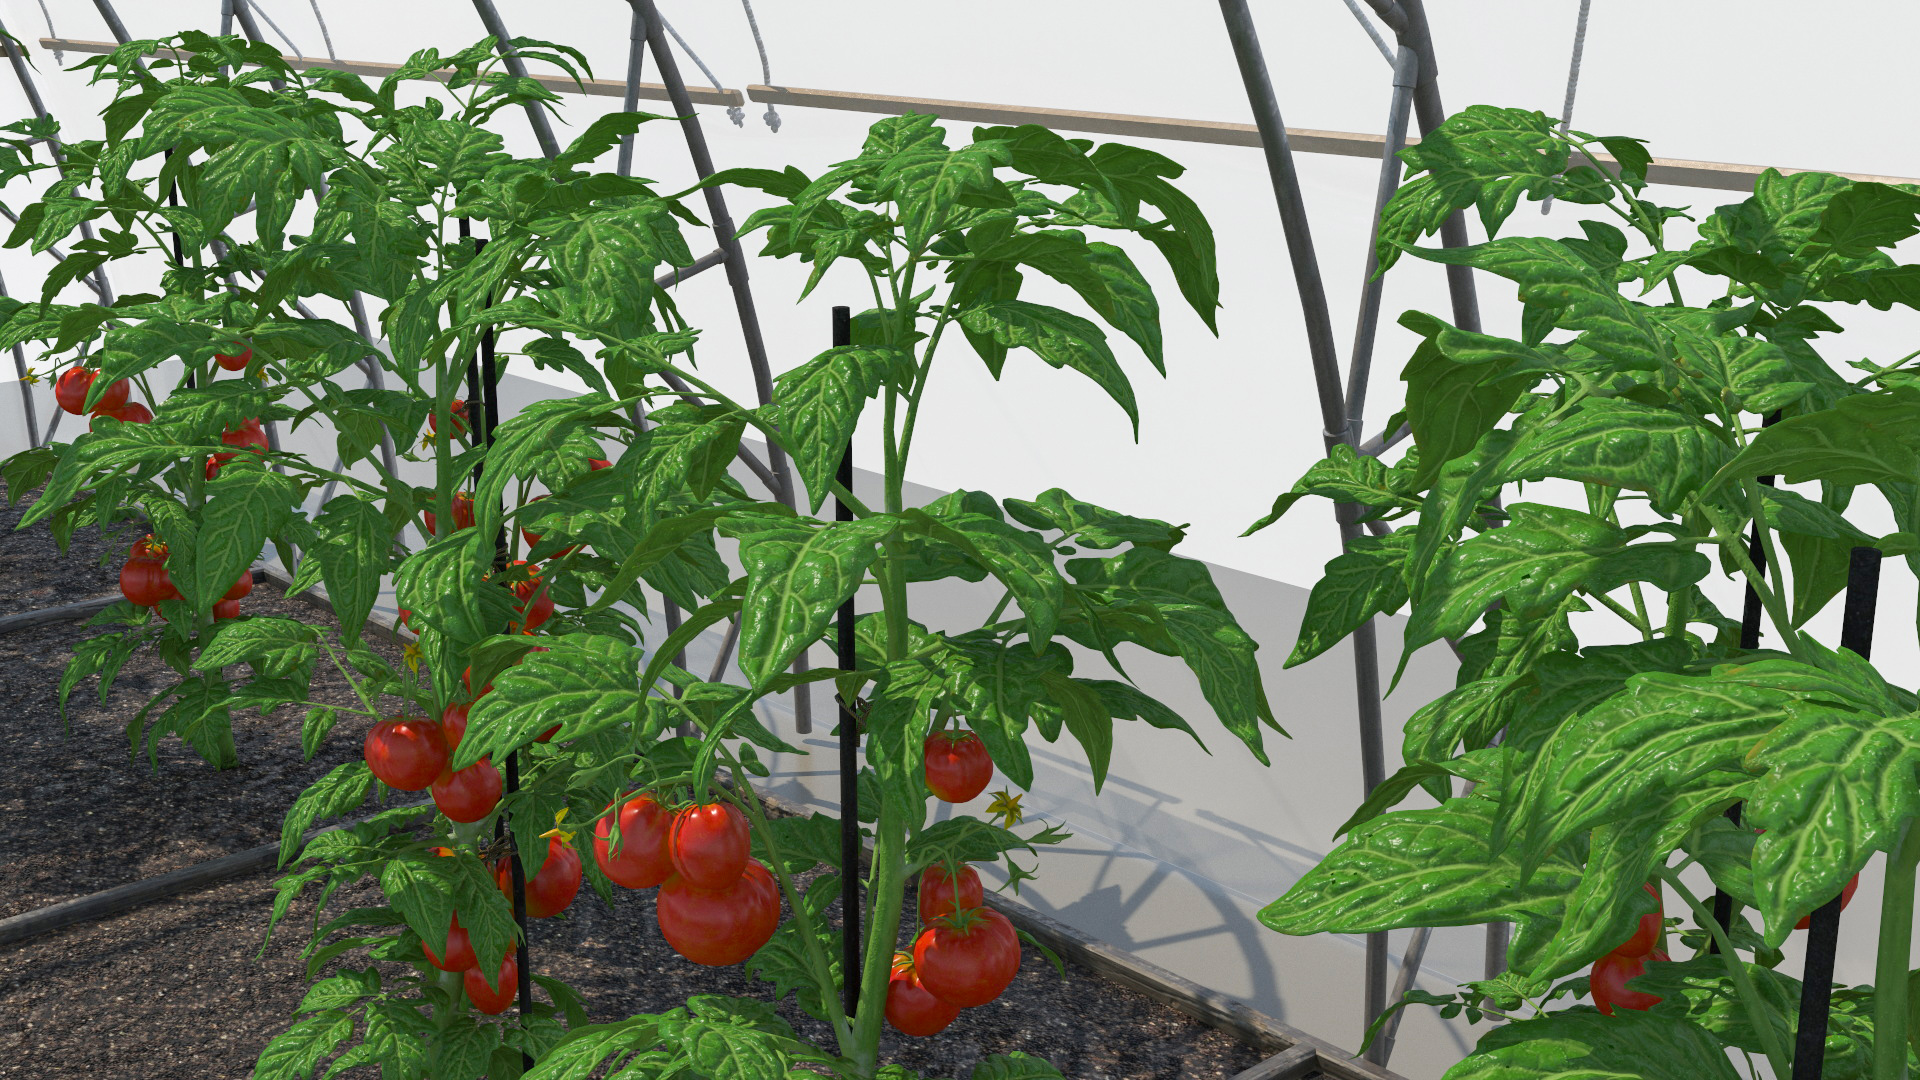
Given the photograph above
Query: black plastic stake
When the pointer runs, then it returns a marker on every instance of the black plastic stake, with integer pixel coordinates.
(849, 741)
(1823, 930)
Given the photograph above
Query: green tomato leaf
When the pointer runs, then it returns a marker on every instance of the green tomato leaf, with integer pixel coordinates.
(1865, 439)
(1581, 1043)
(583, 683)
(798, 575)
(817, 405)
(1062, 339)
(1365, 580)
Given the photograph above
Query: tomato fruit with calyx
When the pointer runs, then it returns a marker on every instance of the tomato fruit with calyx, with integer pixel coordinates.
(641, 861)
(937, 891)
(709, 845)
(968, 959)
(144, 580)
(407, 753)
(494, 1000)
(71, 388)
(131, 412)
(470, 794)
(910, 1008)
(462, 513)
(1846, 897)
(459, 950)
(957, 765)
(235, 361)
(717, 927)
(551, 890)
(1608, 981)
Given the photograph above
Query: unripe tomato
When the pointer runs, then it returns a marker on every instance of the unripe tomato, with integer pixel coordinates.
(408, 753)
(957, 765)
(453, 724)
(1846, 897)
(458, 407)
(470, 794)
(494, 1000)
(241, 586)
(459, 953)
(724, 926)
(641, 861)
(235, 361)
(910, 1009)
(968, 960)
(710, 845)
(937, 891)
(1608, 981)
(551, 890)
(462, 513)
(70, 389)
(131, 412)
(226, 609)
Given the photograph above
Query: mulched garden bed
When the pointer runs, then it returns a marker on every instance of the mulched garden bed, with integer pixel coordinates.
(173, 989)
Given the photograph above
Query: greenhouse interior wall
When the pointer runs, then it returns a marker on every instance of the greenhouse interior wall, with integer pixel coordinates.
(1182, 847)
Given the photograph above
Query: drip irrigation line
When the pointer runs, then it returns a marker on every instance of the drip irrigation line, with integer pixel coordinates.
(1573, 83)
(734, 112)
(503, 43)
(771, 116)
(1366, 24)
(850, 846)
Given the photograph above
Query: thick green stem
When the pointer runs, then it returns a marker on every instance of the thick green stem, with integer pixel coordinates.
(1734, 542)
(1742, 978)
(1890, 966)
(888, 887)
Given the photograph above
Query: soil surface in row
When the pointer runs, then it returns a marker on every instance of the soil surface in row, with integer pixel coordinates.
(175, 989)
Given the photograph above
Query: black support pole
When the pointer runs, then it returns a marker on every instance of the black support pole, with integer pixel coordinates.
(849, 742)
(1823, 929)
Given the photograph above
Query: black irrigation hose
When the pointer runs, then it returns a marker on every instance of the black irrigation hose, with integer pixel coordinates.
(79, 609)
(850, 846)
(1823, 930)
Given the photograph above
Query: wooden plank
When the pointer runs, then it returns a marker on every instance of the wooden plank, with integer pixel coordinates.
(1677, 171)
(1288, 1064)
(559, 84)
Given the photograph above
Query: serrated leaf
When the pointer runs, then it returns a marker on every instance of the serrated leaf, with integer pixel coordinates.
(1865, 439)
(585, 683)
(1060, 338)
(798, 575)
(1623, 444)
(338, 793)
(352, 547)
(1364, 581)
(1580, 1042)
(817, 405)
(296, 1051)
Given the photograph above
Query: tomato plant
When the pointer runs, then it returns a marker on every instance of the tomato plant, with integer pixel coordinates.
(1608, 713)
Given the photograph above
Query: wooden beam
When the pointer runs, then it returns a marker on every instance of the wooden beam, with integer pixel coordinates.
(1680, 172)
(560, 84)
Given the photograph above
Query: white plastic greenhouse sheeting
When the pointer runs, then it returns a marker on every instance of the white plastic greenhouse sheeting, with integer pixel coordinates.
(1179, 850)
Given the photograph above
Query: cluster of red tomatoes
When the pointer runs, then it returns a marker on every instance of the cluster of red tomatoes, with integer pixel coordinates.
(967, 956)
(71, 388)
(549, 893)
(717, 905)
(144, 580)
(1628, 961)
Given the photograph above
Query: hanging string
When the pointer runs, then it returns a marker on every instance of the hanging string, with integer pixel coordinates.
(1573, 83)
(261, 10)
(1367, 24)
(324, 35)
(766, 73)
(59, 55)
(734, 112)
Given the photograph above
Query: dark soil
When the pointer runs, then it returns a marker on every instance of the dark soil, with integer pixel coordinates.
(173, 990)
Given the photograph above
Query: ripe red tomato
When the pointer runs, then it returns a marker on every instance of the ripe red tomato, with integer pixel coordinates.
(466, 679)
(236, 361)
(910, 1009)
(241, 586)
(1609, 982)
(968, 960)
(595, 464)
(710, 845)
(937, 892)
(553, 888)
(407, 753)
(131, 412)
(470, 794)
(71, 388)
(1647, 934)
(144, 579)
(453, 724)
(536, 600)
(494, 1000)
(226, 609)
(458, 407)
(641, 861)
(724, 926)
(1846, 897)
(533, 538)
(462, 513)
(957, 765)
(250, 435)
(459, 953)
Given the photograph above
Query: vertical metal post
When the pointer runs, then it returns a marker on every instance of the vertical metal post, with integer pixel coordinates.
(849, 740)
(536, 113)
(630, 102)
(1333, 409)
(1406, 72)
(1823, 929)
(736, 264)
